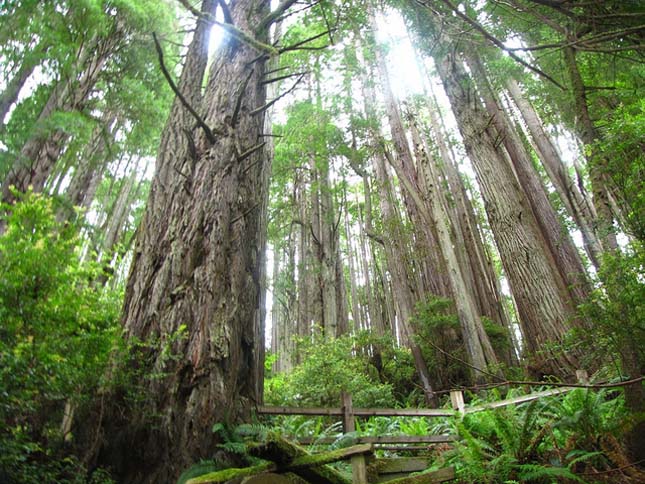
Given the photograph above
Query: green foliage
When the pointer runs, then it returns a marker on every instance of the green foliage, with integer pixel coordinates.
(438, 334)
(57, 332)
(616, 309)
(624, 162)
(544, 441)
(327, 369)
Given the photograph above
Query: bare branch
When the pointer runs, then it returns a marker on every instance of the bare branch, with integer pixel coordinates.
(261, 109)
(250, 151)
(236, 33)
(238, 102)
(297, 45)
(266, 22)
(273, 71)
(282, 78)
(228, 18)
(200, 122)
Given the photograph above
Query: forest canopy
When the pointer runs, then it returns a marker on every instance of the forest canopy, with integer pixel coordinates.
(209, 205)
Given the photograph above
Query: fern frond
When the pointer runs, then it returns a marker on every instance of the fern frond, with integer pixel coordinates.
(537, 472)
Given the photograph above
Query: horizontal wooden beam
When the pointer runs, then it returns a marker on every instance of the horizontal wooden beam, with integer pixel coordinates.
(357, 412)
(399, 465)
(516, 400)
(385, 439)
(441, 475)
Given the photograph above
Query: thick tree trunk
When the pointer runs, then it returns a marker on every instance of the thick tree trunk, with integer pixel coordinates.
(573, 200)
(564, 253)
(194, 286)
(535, 282)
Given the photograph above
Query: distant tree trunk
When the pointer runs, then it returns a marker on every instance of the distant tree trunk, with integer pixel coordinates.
(367, 252)
(89, 168)
(357, 317)
(9, 96)
(40, 153)
(573, 200)
(589, 135)
(404, 297)
(197, 264)
(304, 262)
(542, 299)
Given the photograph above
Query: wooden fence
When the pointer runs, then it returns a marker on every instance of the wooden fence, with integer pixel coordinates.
(348, 413)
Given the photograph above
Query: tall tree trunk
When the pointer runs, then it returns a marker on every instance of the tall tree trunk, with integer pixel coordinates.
(430, 212)
(304, 261)
(589, 135)
(566, 256)
(357, 317)
(41, 151)
(374, 309)
(401, 284)
(476, 340)
(575, 203)
(13, 87)
(542, 299)
(197, 262)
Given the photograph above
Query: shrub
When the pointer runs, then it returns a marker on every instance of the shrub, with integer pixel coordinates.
(56, 334)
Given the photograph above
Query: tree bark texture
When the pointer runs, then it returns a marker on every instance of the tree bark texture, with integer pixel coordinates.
(573, 200)
(566, 256)
(197, 262)
(537, 288)
(589, 135)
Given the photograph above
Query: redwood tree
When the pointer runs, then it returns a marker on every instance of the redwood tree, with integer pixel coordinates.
(194, 287)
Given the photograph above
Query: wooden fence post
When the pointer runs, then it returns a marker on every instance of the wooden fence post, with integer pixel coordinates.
(457, 401)
(359, 466)
(348, 413)
(582, 376)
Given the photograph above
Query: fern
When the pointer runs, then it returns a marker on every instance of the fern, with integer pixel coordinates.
(538, 472)
(238, 448)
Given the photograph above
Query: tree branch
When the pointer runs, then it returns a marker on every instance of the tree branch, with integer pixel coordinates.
(298, 45)
(200, 122)
(266, 22)
(238, 102)
(499, 43)
(261, 109)
(228, 18)
(282, 78)
(232, 30)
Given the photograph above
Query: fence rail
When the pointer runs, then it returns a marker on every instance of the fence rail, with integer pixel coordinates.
(349, 413)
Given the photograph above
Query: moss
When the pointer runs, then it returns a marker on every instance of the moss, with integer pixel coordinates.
(228, 474)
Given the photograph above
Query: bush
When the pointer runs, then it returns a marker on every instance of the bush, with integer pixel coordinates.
(328, 368)
(57, 333)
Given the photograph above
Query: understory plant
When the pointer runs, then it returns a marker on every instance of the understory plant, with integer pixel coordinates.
(570, 438)
(58, 328)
